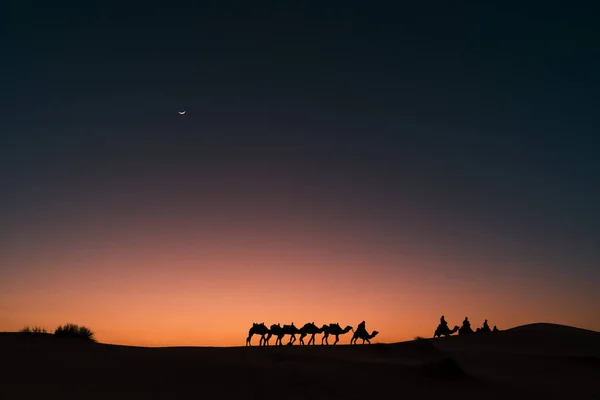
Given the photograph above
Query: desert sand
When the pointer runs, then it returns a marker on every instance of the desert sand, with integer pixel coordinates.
(528, 362)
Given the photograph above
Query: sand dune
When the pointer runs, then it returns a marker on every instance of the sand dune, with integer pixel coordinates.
(526, 362)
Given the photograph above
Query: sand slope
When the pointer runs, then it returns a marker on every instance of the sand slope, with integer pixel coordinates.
(526, 362)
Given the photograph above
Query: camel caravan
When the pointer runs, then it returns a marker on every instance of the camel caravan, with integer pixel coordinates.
(311, 329)
(465, 329)
(334, 329)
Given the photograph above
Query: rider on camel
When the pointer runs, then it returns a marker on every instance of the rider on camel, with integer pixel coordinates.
(466, 323)
(443, 323)
(485, 326)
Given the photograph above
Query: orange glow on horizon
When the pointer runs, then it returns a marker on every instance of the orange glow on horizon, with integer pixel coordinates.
(154, 297)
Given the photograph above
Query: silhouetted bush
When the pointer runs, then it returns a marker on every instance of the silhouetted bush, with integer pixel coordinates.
(74, 331)
(33, 329)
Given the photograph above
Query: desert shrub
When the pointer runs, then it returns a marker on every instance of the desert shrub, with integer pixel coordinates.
(74, 331)
(33, 329)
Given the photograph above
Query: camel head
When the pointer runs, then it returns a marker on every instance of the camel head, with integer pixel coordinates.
(347, 329)
(373, 334)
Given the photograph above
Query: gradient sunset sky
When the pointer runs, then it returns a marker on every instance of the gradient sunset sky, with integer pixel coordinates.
(337, 163)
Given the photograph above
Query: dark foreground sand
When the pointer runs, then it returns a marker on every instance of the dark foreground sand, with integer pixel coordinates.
(530, 362)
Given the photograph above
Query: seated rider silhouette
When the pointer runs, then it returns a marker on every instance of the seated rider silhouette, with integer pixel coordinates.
(361, 327)
(443, 323)
(485, 326)
(466, 323)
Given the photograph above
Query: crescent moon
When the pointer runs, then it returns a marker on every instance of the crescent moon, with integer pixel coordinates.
(181, 112)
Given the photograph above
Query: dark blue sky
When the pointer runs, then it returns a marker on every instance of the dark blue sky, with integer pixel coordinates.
(475, 124)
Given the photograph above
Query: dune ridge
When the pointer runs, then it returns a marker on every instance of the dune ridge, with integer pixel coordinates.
(494, 365)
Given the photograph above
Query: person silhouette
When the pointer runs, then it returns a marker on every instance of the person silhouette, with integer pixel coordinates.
(466, 322)
(361, 327)
(443, 323)
(485, 326)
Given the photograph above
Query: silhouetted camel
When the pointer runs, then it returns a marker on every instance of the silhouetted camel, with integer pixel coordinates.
(444, 331)
(280, 331)
(364, 335)
(292, 331)
(309, 329)
(277, 331)
(335, 330)
(257, 329)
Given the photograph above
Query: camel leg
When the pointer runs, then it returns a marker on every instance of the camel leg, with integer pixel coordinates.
(248, 339)
(302, 336)
(293, 339)
(312, 339)
(337, 339)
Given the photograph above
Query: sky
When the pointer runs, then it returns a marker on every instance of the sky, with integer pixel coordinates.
(337, 162)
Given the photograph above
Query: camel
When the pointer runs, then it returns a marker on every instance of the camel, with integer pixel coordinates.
(257, 329)
(335, 330)
(445, 331)
(364, 335)
(292, 331)
(280, 331)
(276, 330)
(309, 329)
